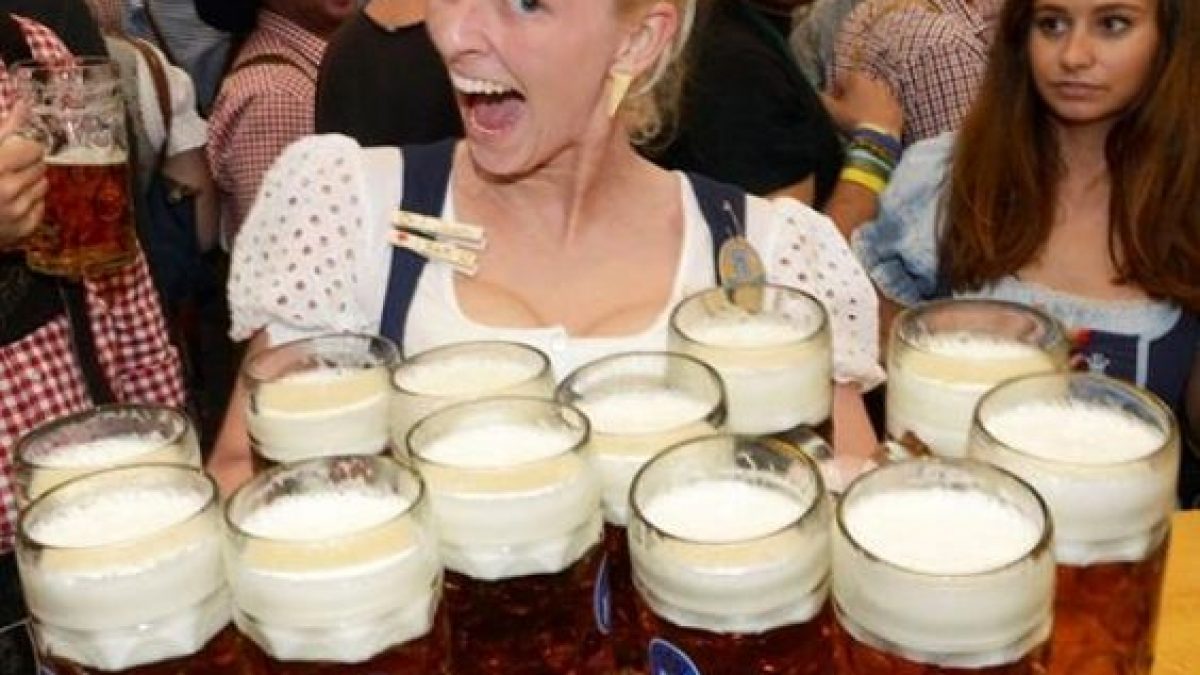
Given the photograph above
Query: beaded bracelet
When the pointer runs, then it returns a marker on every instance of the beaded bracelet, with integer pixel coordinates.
(871, 156)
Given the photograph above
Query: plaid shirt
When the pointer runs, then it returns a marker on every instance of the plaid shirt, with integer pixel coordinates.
(39, 376)
(260, 110)
(932, 52)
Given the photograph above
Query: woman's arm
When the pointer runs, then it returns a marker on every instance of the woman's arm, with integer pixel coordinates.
(230, 462)
(190, 170)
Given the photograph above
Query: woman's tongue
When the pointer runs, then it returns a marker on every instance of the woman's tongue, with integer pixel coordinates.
(493, 113)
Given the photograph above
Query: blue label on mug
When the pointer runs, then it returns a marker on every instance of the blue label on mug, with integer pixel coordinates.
(667, 659)
(602, 598)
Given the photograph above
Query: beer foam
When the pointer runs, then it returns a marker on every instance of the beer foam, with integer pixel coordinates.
(136, 577)
(933, 393)
(499, 445)
(630, 427)
(511, 500)
(1074, 431)
(974, 532)
(962, 588)
(722, 511)
(302, 597)
(303, 517)
(115, 517)
(463, 375)
(1107, 489)
(642, 411)
(743, 562)
(329, 411)
(776, 377)
(88, 156)
(747, 330)
(116, 449)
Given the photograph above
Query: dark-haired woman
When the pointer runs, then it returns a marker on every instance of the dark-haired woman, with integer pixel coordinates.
(1073, 185)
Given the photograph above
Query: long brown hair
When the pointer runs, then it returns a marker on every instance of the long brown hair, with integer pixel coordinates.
(1006, 167)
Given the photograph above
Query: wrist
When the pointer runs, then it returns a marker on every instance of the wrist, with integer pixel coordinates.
(871, 156)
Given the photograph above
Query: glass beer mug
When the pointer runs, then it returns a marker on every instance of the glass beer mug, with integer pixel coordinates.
(517, 511)
(775, 359)
(334, 569)
(321, 396)
(638, 404)
(465, 371)
(78, 112)
(944, 355)
(1105, 456)
(101, 438)
(729, 538)
(941, 567)
(122, 573)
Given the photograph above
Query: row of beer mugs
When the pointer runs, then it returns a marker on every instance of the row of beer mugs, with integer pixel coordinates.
(1162, 459)
(935, 565)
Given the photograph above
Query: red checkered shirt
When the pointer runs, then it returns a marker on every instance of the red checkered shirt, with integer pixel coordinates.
(932, 52)
(39, 376)
(260, 110)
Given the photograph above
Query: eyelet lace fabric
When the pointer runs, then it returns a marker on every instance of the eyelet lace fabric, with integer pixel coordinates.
(298, 260)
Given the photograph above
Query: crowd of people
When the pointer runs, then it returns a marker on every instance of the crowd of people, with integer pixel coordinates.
(890, 152)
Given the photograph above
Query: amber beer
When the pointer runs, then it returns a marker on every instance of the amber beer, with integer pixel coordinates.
(774, 355)
(940, 567)
(638, 403)
(334, 569)
(1104, 455)
(729, 539)
(122, 573)
(78, 111)
(518, 515)
(945, 355)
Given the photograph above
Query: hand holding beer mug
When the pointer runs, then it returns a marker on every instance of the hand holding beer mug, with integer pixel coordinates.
(78, 113)
(22, 179)
(1104, 455)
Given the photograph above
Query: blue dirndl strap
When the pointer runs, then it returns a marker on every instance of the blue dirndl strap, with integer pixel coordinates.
(426, 178)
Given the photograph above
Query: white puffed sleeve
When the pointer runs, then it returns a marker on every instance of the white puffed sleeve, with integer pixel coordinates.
(296, 261)
(188, 129)
(803, 249)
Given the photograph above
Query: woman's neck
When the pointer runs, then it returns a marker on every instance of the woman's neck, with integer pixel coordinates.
(1083, 153)
(584, 184)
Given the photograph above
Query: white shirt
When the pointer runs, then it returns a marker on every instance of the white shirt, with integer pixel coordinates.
(313, 257)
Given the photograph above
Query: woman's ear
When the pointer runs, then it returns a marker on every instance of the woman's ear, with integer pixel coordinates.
(651, 33)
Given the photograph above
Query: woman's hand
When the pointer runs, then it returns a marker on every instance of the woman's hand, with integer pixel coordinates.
(857, 99)
(23, 183)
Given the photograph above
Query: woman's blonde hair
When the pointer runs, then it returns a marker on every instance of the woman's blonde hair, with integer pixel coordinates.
(653, 100)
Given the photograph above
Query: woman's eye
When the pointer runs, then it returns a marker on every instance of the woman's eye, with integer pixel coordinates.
(1115, 24)
(527, 6)
(1051, 25)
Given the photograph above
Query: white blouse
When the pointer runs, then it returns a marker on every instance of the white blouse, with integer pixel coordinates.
(313, 256)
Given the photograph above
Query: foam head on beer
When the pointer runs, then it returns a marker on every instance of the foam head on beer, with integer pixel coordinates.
(511, 494)
(332, 559)
(454, 373)
(640, 403)
(328, 395)
(944, 563)
(945, 355)
(1102, 453)
(122, 568)
(775, 360)
(729, 536)
(100, 438)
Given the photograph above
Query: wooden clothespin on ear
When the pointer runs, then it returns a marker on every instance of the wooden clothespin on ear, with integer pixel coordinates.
(456, 244)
